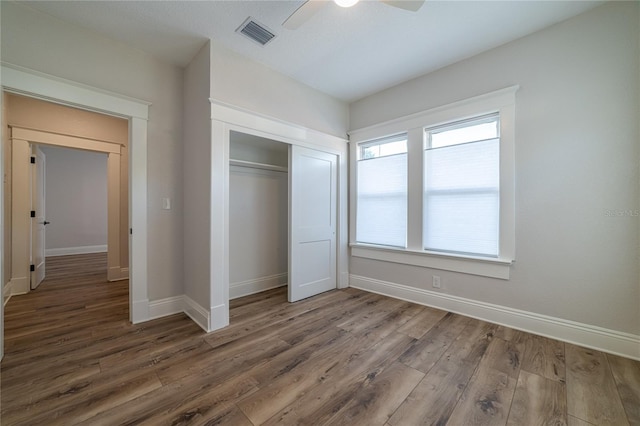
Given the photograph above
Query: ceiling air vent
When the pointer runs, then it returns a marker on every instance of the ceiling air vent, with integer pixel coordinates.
(256, 31)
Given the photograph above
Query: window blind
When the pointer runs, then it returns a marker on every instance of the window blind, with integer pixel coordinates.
(381, 216)
(462, 188)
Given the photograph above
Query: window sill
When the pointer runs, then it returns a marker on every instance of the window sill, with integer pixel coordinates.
(493, 268)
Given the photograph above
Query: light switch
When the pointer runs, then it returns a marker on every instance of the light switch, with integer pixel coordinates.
(166, 204)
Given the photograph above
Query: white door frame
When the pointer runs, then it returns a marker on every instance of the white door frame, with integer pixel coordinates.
(53, 89)
(224, 119)
(20, 220)
(113, 150)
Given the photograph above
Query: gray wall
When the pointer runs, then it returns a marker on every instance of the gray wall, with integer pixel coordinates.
(577, 161)
(251, 85)
(197, 178)
(258, 227)
(76, 198)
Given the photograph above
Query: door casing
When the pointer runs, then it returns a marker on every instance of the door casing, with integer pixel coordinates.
(38, 222)
(35, 84)
(22, 236)
(224, 119)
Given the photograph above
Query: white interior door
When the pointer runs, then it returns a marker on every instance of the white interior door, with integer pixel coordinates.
(312, 221)
(38, 222)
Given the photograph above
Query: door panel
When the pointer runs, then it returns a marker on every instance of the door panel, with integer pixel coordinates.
(38, 222)
(312, 218)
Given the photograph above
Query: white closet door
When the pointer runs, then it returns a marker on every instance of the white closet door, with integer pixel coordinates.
(312, 221)
(38, 222)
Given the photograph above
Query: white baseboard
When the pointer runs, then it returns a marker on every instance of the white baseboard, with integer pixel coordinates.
(65, 251)
(197, 313)
(605, 340)
(245, 288)
(165, 307)
(140, 311)
(6, 292)
(116, 273)
(219, 317)
(343, 280)
(21, 285)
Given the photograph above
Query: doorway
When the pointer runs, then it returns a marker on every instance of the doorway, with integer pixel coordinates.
(76, 202)
(23, 225)
(136, 112)
(258, 214)
(225, 119)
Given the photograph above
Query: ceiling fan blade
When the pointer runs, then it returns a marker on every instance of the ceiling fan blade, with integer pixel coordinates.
(303, 13)
(411, 5)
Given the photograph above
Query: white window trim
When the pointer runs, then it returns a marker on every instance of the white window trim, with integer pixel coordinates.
(501, 101)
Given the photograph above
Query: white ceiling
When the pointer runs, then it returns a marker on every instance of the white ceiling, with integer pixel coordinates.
(347, 53)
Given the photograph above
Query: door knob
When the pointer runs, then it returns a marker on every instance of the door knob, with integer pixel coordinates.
(46, 223)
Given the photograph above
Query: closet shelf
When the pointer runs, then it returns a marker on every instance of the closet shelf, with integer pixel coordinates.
(254, 165)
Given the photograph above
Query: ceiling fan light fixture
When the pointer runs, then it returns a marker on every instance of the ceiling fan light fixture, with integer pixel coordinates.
(345, 3)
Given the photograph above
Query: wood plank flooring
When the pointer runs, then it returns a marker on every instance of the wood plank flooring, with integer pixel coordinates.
(345, 357)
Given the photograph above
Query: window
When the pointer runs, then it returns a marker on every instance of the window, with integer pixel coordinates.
(462, 187)
(382, 192)
(441, 194)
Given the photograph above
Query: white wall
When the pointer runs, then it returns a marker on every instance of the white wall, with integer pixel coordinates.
(577, 160)
(257, 88)
(245, 147)
(258, 223)
(76, 200)
(42, 43)
(197, 179)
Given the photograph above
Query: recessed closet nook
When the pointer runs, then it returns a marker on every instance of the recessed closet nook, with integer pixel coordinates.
(282, 217)
(258, 214)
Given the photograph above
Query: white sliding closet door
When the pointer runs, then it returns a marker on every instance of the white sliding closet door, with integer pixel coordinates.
(312, 221)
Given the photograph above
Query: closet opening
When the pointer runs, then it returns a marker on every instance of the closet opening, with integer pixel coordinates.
(258, 215)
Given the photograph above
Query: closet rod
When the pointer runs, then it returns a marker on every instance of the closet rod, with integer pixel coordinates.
(254, 165)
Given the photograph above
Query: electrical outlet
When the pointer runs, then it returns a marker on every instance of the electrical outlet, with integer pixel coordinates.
(436, 281)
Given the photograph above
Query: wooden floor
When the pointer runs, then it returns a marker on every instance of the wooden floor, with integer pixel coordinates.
(345, 357)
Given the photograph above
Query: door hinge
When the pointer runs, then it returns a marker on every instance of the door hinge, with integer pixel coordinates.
(130, 231)
(33, 213)
(33, 160)
(32, 268)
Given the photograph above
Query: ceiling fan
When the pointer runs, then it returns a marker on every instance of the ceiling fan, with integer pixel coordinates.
(311, 7)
